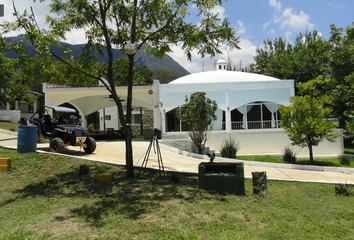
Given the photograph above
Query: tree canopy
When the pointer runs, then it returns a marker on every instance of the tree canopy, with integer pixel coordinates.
(305, 119)
(305, 59)
(117, 23)
(142, 75)
(197, 116)
(311, 56)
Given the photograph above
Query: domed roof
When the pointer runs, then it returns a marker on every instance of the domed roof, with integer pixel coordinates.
(221, 61)
(222, 77)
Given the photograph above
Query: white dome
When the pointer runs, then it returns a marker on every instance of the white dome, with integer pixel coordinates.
(221, 61)
(222, 77)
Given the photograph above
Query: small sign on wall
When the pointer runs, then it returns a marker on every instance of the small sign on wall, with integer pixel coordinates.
(1, 10)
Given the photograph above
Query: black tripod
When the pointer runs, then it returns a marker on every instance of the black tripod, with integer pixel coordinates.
(154, 142)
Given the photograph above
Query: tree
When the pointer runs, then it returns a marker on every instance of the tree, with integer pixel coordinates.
(305, 59)
(7, 69)
(304, 119)
(165, 75)
(342, 71)
(274, 59)
(118, 23)
(142, 75)
(197, 116)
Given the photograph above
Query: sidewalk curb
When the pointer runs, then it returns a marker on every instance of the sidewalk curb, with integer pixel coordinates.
(263, 164)
(12, 133)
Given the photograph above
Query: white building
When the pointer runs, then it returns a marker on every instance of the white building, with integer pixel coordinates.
(245, 100)
(247, 107)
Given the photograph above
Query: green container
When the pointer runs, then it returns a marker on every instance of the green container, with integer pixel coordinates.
(222, 177)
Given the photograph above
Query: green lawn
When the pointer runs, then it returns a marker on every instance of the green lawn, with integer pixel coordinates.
(331, 162)
(349, 151)
(9, 126)
(44, 197)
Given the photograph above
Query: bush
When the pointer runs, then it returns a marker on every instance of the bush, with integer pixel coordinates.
(289, 155)
(229, 148)
(343, 189)
(91, 128)
(344, 160)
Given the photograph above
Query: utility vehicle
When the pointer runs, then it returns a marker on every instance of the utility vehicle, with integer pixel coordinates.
(60, 127)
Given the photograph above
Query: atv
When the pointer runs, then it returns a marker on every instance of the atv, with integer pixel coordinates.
(59, 126)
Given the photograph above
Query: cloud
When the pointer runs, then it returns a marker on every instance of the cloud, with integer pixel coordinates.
(241, 28)
(287, 35)
(266, 25)
(198, 64)
(76, 36)
(294, 21)
(275, 4)
(218, 10)
(288, 20)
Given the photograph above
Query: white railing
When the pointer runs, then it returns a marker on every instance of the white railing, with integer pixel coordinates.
(250, 125)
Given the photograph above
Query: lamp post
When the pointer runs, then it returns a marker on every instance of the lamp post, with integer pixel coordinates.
(130, 49)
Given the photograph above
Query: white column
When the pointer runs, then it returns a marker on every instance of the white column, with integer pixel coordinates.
(163, 123)
(227, 113)
(157, 110)
(83, 119)
(35, 107)
(157, 105)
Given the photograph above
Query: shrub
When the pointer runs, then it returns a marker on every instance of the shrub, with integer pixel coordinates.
(229, 148)
(344, 160)
(343, 189)
(289, 155)
(91, 128)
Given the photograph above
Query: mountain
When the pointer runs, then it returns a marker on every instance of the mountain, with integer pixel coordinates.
(143, 59)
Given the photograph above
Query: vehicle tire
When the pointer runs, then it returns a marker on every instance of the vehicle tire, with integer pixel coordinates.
(56, 145)
(91, 145)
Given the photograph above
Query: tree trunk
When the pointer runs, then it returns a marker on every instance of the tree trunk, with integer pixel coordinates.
(259, 180)
(311, 154)
(128, 137)
(200, 149)
(128, 134)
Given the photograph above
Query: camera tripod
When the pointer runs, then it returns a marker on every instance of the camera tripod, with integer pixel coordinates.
(153, 143)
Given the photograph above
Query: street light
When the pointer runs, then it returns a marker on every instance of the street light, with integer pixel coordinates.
(130, 49)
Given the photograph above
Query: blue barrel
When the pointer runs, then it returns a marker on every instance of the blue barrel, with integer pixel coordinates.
(27, 139)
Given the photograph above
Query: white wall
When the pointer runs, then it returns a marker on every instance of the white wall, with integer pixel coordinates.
(14, 115)
(110, 111)
(258, 142)
(272, 141)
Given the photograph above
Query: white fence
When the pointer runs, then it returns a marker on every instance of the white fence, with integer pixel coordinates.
(10, 115)
(250, 125)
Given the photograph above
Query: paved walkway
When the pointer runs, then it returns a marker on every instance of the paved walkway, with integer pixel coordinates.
(178, 160)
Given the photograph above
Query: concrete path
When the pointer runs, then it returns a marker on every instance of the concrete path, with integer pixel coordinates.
(178, 160)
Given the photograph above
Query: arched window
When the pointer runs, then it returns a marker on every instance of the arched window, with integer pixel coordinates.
(219, 66)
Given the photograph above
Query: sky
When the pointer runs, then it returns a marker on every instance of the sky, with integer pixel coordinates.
(253, 20)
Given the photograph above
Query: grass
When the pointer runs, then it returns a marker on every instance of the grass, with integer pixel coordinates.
(330, 162)
(11, 126)
(349, 151)
(44, 197)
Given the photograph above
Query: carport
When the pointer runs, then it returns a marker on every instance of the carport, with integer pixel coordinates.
(90, 99)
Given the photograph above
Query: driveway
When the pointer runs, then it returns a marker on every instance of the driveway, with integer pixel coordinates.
(177, 160)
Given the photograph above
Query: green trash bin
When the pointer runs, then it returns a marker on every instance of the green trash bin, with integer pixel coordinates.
(222, 177)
